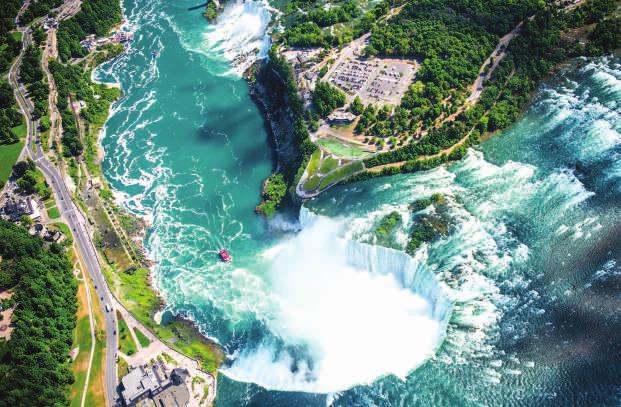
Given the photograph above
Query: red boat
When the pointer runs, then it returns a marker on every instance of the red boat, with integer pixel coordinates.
(225, 256)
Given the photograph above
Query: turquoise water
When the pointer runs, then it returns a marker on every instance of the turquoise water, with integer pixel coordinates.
(517, 304)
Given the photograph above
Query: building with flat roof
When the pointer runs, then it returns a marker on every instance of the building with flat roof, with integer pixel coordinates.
(152, 384)
(138, 385)
(341, 117)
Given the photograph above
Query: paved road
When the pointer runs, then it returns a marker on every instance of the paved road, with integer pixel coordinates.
(73, 217)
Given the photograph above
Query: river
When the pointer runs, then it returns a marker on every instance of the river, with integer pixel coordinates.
(516, 304)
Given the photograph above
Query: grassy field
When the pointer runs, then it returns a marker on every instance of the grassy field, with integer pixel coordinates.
(328, 165)
(53, 213)
(342, 150)
(341, 173)
(313, 164)
(122, 368)
(95, 395)
(20, 131)
(142, 338)
(52, 210)
(8, 156)
(10, 152)
(312, 183)
(97, 381)
(82, 340)
(135, 292)
(126, 341)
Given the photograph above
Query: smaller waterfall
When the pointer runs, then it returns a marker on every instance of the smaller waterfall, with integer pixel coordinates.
(240, 34)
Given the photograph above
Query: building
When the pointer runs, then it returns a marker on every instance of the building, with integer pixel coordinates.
(15, 208)
(341, 117)
(33, 209)
(38, 230)
(151, 383)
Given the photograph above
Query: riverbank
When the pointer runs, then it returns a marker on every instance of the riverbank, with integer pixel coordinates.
(119, 236)
(129, 269)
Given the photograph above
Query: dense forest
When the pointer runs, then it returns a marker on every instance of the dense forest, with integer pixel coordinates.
(10, 43)
(309, 23)
(32, 75)
(326, 98)
(35, 363)
(450, 39)
(95, 17)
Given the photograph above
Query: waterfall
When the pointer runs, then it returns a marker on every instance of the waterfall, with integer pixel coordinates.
(409, 271)
(240, 34)
(337, 303)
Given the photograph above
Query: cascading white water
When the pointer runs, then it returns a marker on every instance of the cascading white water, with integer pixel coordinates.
(345, 313)
(240, 34)
(408, 271)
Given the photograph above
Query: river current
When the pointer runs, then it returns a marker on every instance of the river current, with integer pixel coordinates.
(518, 302)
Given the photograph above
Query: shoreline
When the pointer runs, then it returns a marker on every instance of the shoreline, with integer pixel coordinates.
(181, 333)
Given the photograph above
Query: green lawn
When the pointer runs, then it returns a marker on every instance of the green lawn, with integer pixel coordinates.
(122, 368)
(142, 338)
(53, 212)
(312, 183)
(313, 164)
(126, 342)
(341, 173)
(20, 131)
(95, 395)
(8, 156)
(81, 340)
(17, 35)
(328, 165)
(342, 150)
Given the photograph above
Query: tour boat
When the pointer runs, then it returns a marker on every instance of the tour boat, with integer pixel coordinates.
(225, 256)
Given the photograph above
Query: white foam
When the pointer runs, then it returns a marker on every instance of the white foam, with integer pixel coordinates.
(332, 298)
(240, 33)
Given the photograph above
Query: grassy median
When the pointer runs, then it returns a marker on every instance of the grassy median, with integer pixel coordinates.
(126, 341)
(82, 341)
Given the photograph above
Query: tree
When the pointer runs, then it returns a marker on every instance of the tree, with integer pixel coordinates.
(326, 98)
(607, 35)
(26, 221)
(356, 106)
(20, 168)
